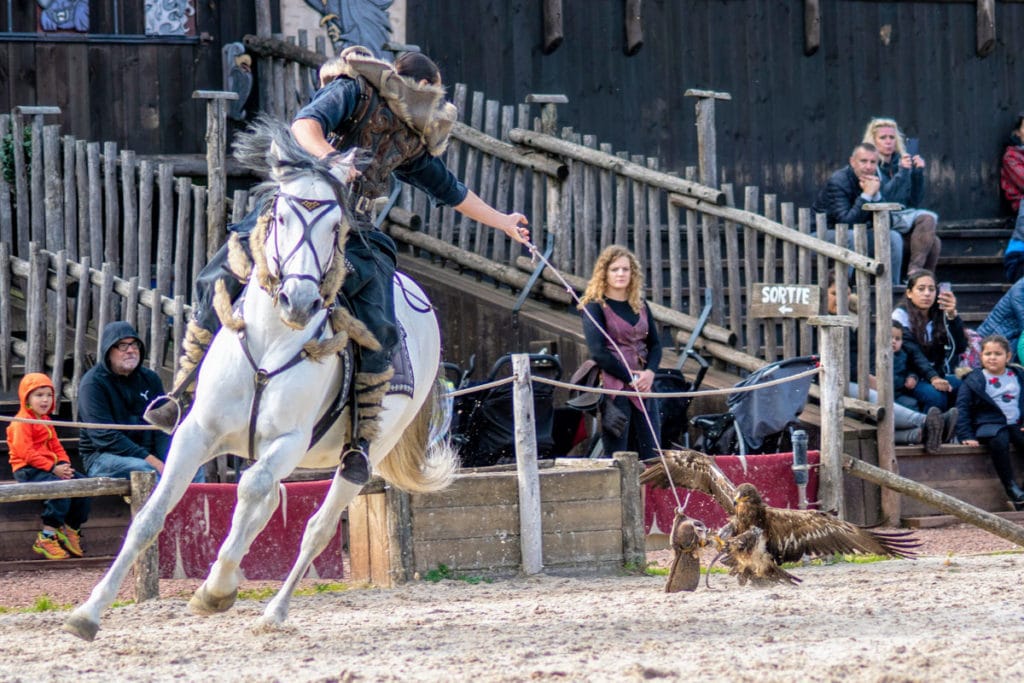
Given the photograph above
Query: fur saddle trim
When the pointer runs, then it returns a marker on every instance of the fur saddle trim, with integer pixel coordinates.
(422, 107)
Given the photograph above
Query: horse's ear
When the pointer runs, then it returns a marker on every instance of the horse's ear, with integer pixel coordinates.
(274, 158)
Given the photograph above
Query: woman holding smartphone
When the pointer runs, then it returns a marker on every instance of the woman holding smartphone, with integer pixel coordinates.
(933, 337)
(902, 174)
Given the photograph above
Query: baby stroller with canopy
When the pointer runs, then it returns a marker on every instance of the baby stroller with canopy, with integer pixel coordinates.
(483, 428)
(759, 421)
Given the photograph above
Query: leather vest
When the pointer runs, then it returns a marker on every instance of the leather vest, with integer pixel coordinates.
(632, 342)
(387, 143)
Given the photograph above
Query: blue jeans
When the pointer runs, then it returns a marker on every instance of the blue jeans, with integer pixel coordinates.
(928, 396)
(122, 466)
(58, 511)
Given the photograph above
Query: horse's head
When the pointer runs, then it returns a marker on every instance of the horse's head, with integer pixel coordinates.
(298, 246)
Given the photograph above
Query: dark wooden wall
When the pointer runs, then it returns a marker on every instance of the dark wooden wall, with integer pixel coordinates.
(130, 89)
(793, 119)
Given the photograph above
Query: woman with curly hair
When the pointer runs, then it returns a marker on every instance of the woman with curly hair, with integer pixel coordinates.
(933, 337)
(628, 356)
(902, 176)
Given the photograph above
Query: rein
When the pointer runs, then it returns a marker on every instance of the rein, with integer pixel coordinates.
(263, 377)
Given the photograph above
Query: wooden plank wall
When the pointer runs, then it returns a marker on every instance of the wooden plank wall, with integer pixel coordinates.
(793, 118)
(135, 93)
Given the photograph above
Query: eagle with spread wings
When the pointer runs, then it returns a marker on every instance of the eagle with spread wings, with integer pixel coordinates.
(759, 538)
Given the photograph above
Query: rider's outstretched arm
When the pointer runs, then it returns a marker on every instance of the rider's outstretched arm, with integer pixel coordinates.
(512, 224)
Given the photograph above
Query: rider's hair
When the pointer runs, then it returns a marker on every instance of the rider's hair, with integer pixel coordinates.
(418, 67)
(599, 279)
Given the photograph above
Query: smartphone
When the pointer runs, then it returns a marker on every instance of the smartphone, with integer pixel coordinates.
(913, 146)
(945, 287)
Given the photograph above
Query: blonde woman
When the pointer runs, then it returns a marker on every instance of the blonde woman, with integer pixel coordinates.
(902, 178)
(613, 303)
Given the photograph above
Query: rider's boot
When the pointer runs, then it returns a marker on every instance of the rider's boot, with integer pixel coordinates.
(168, 414)
(370, 387)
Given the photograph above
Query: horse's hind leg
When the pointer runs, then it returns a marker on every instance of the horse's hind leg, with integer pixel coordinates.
(258, 496)
(320, 529)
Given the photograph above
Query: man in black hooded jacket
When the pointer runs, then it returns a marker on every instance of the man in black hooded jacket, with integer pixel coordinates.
(116, 391)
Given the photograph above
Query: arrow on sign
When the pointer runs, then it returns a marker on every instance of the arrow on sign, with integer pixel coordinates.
(784, 309)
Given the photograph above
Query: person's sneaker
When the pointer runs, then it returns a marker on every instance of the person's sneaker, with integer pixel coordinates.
(70, 540)
(949, 419)
(932, 430)
(49, 547)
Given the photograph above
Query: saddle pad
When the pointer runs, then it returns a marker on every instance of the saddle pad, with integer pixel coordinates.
(403, 381)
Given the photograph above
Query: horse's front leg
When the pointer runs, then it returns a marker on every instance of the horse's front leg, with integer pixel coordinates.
(258, 497)
(187, 453)
(320, 529)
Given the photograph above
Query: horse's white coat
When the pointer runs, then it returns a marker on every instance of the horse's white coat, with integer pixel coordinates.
(219, 423)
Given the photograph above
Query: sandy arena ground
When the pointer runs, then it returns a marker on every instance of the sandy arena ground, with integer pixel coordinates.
(943, 617)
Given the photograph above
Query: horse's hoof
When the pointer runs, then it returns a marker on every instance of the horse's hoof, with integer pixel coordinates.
(203, 603)
(81, 626)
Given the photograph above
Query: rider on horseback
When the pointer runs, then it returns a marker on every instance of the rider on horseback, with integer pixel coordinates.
(397, 115)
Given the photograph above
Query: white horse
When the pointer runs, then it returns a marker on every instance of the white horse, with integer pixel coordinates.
(284, 309)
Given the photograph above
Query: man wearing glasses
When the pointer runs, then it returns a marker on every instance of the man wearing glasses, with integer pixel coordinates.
(116, 391)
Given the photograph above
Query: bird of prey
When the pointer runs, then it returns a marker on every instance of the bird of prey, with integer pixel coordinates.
(758, 538)
(687, 538)
(237, 71)
(691, 470)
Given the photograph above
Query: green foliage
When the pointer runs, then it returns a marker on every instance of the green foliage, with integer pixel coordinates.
(44, 603)
(444, 573)
(7, 154)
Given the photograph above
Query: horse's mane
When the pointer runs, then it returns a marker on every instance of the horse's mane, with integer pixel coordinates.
(268, 145)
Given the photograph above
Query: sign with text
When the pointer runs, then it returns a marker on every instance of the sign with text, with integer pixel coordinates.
(770, 300)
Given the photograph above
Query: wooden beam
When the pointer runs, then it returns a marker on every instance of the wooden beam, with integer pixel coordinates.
(553, 34)
(812, 26)
(968, 513)
(634, 27)
(986, 27)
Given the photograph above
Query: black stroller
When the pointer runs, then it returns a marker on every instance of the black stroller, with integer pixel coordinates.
(483, 427)
(759, 421)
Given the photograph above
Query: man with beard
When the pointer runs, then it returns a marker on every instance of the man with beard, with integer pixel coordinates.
(116, 391)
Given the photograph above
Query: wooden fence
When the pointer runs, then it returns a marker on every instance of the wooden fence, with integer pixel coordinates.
(82, 205)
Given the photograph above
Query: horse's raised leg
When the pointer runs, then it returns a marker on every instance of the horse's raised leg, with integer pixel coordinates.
(320, 529)
(258, 497)
(186, 455)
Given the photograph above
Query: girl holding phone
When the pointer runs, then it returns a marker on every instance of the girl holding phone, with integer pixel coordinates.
(933, 337)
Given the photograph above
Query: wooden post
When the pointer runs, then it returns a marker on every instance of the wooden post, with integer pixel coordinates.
(986, 27)
(634, 27)
(265, 66)
(53, 184)
(530, 536)
(707, 148)
(553, 34)
(35, 193)
(812, 26)
(633, 549)
(832, 339)
(147, 566)
(216, 141)
(35, 301)
(5, 315)
(554, 215)
(886, 433)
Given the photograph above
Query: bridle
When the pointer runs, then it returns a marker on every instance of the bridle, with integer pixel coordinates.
(309, 212)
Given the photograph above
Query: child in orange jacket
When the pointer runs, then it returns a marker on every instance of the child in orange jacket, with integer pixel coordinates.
(37, 455)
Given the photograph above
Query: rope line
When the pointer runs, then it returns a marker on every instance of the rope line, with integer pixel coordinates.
(80, 425)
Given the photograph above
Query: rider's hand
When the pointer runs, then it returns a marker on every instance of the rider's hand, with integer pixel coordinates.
(513, 225)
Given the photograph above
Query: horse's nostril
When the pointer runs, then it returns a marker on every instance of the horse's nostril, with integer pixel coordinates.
(283, 299)
(315, 306)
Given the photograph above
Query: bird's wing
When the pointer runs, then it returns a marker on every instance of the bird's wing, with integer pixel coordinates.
(690, 470)
(748, 559)
(795, 533)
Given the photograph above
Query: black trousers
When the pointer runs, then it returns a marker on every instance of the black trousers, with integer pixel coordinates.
(999, 450)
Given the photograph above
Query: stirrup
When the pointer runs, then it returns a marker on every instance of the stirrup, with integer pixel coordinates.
(167, 416)
(355, 464)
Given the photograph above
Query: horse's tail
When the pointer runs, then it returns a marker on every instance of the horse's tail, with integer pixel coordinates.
(423, 460)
